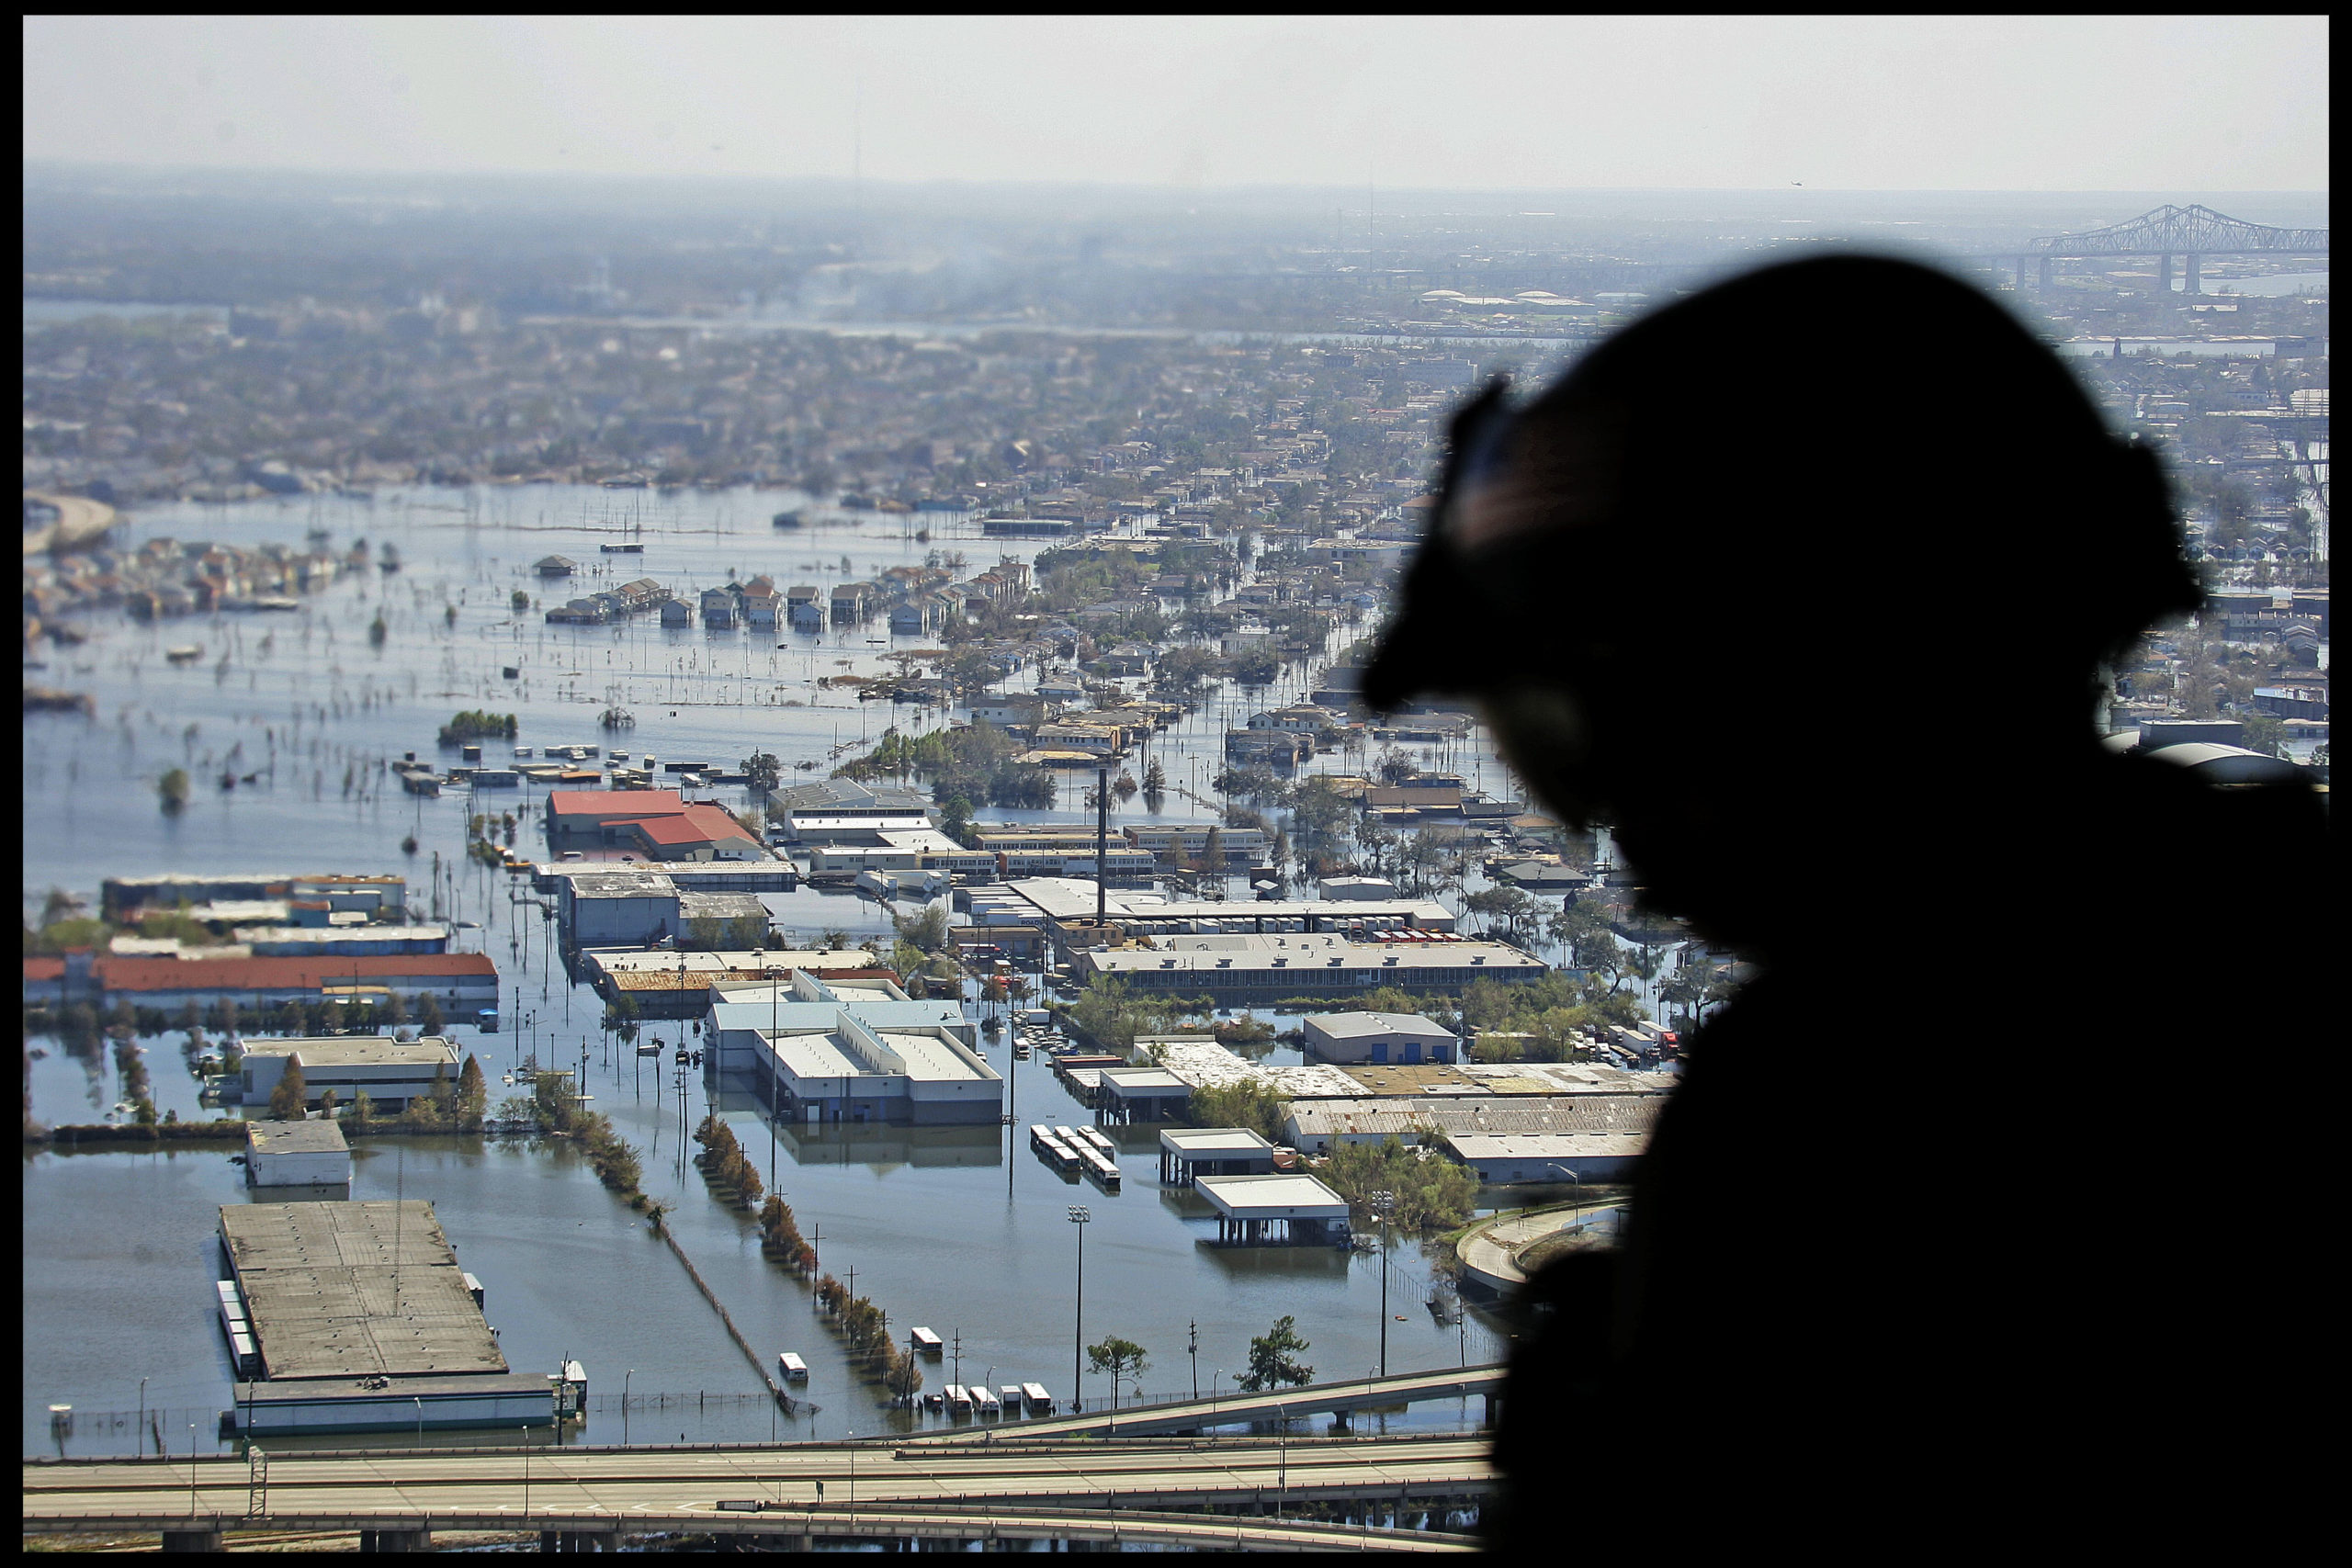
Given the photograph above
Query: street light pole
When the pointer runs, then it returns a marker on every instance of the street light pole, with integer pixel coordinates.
(1575, 1181)
(1382, 1203)
(1079, 1217)
(625, 1377)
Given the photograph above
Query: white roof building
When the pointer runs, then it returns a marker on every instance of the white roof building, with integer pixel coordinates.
(852, 1051)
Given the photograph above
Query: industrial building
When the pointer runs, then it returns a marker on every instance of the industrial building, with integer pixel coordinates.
(297, 1153)
(816, 811)
(677, 985)
(657, 823)
(1377, 1037)
(1268, 968)
(389, 1072)
(617, 907)
(351, 936)
(1140, 1094)
(843, 1050)
(1068, 898)
(1501, 1159)
(361, 1320)
(371, 895)
(458, 981)
(899, 849)
(1313, 1126)
(1254, 1210)
(607, 905)
(1187, 1153)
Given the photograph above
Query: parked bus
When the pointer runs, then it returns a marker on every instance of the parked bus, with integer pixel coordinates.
(795, 1369)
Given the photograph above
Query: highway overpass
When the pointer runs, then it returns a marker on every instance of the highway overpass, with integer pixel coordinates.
(796, 1489)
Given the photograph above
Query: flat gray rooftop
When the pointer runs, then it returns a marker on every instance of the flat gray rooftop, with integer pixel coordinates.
(1214, 1143)
(401, 1389)
(295, 1138)
(1278, 1197)
(356, 1290)
(360, 1050)
(1145, 1081)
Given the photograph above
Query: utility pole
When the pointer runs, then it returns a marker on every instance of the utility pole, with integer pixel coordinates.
(1193, 1331)
(1079, 1217)
(1101, 845)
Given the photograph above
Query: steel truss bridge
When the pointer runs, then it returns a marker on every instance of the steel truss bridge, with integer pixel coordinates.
(2191, 233)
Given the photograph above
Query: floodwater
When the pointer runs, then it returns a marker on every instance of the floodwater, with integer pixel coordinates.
(961, 1230)
(303, 699)
(945, 1227)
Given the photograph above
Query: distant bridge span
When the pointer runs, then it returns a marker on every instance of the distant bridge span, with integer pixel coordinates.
(2191, 233)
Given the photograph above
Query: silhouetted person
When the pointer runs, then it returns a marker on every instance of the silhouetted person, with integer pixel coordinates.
(1964, 1210)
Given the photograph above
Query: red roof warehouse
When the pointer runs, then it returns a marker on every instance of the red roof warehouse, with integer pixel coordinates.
(656, 822)
(462, 979)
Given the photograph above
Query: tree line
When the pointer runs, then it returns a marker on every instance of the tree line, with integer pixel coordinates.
(866, 1329)
(723, 1162)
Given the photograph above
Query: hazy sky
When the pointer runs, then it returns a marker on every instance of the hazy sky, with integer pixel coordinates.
(2100, 103)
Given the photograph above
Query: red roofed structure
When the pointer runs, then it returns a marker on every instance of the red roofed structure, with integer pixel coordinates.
(457, 979)
(656, 821)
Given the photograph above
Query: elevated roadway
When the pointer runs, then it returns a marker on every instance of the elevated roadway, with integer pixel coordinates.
(1165, 1416)
(750, 1490)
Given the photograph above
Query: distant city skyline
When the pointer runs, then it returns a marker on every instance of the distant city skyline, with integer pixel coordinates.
(1822, 104)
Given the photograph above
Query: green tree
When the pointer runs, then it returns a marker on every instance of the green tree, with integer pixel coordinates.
(1430, 1191)
(1248, 1103)
(1273, 1359)
(927, 932)
(285, 1102)
(171, 792)
(1123, 1359)
(473, 1090)
(428, 1012)
(763, 770)
(2264, 733)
